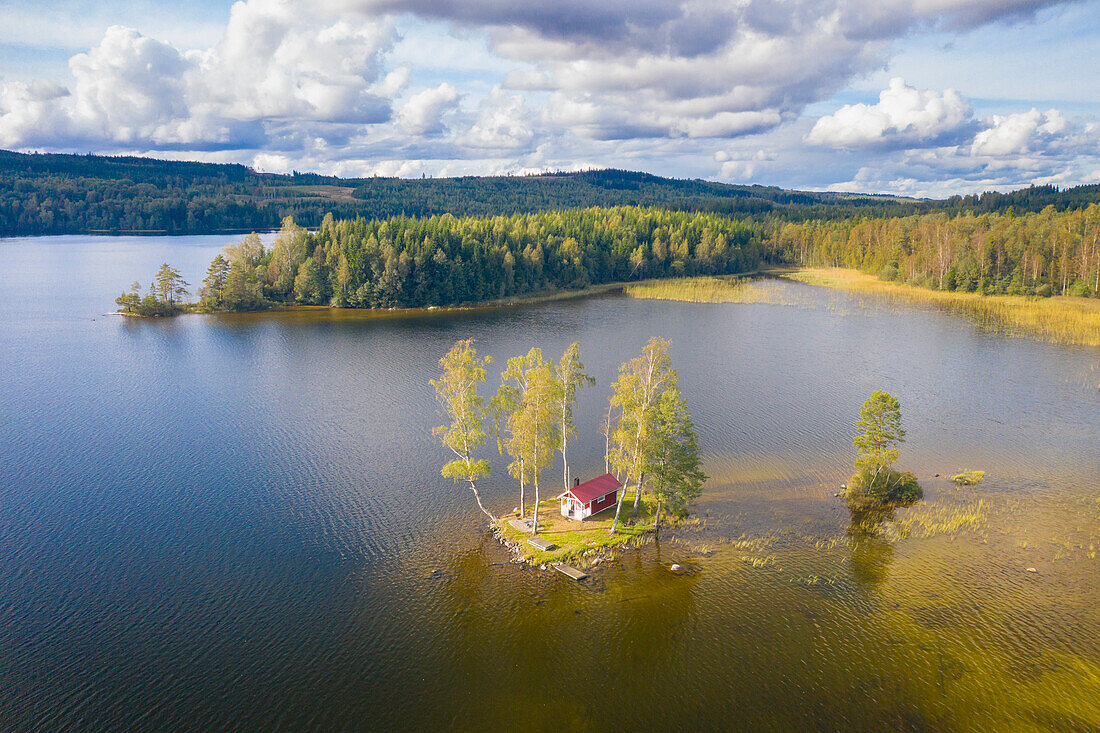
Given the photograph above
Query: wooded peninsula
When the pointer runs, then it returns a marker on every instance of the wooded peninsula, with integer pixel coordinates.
(405, 262)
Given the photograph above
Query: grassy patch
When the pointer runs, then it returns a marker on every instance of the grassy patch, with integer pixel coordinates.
(706, 289)
(574, 538)
(743, 288)
(968, 478)
(1061, 319)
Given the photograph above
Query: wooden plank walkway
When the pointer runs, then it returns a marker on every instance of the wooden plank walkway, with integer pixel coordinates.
(571, 571)
(523, 525)
(541, 544)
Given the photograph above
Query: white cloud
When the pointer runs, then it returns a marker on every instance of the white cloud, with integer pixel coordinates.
(739, 166)
(274, 67)
(273, 62)
(701, 68)
(1019, 134)
(503, 123)
(25, 109)
(423, 113)
(130, 88)
(271, 163)
(902, 116)
(484, 86)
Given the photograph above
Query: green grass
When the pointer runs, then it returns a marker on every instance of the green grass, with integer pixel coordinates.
(1061, 319)
(968, 478)
(574, 538)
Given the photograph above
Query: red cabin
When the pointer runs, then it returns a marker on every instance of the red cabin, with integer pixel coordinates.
(591, 497)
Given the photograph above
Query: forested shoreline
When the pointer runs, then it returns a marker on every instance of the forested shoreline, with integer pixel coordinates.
(44, 194)
(1046, 253)
(405, 262)
(440, 261)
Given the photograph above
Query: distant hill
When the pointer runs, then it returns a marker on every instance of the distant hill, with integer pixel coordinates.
(64, 194)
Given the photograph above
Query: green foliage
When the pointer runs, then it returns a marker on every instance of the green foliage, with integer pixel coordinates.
(309, 285)
(526, 411)
(672, 463)
(64, 194)
(879, 432)
(212, 292)
(456, 390)
(876, 484)
(968, 478)
(404, 262)
(169, 285)
(572, 378)
(636, 393)
(162, 298)
(1043, 253)
(887, 487)
(243, 290)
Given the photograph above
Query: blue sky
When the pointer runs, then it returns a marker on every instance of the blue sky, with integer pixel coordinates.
(920, 97)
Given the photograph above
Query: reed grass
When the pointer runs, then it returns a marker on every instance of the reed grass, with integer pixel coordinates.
(968, 478)
(1061, 319)
(711, 289)
(931, 520)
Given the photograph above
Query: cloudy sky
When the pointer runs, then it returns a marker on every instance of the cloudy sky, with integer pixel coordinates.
(925, 97)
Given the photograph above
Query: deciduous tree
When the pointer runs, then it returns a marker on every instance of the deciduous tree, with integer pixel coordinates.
(572, 378)
(456, 390)
(641, 382)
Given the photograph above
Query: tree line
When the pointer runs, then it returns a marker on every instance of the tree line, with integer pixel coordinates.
(405, 262)
(67, 194)
(650, 438)
(1044, 253)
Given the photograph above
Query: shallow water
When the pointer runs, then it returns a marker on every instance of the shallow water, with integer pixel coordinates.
(238, 521)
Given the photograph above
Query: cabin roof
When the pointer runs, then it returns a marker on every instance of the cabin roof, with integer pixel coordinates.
(597, 487)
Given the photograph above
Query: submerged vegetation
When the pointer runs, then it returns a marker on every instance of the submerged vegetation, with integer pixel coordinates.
(702, 289)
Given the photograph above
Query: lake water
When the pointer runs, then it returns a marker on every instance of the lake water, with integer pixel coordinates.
(238, 522)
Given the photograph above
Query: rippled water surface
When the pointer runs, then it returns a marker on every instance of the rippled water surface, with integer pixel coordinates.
(231, 522)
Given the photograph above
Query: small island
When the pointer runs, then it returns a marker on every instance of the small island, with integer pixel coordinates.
(578, 541)
(650, 448)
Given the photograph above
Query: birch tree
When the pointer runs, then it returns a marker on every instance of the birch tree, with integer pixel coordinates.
(572, 378)
(504, 406)
(526, 411)
(538, 424)
(605, 430)
(641, 382)
(456, 390)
